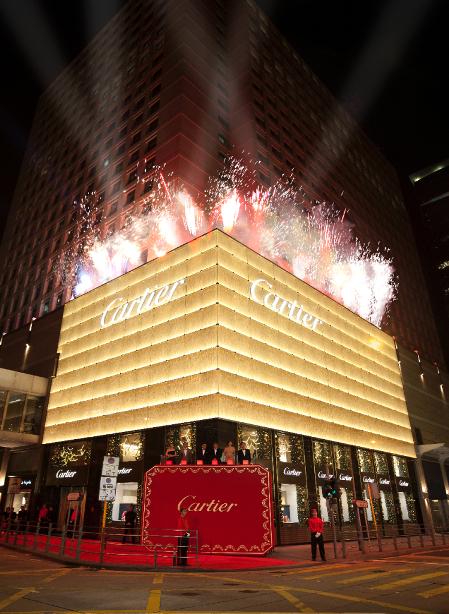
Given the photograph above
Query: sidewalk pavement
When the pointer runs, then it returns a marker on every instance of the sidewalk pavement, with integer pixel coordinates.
(302, 554)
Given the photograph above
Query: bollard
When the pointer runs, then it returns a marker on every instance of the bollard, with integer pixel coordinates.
(102, 545)
(395, 542)
(63, 540)
(409, 541)
(379, 539)
(78, 545)
(47, 542)
(8, 528)
(432, 536)
(421, 539)
(25, 535)
(343, 547)
(36, 534)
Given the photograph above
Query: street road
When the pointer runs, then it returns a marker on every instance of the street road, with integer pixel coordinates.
(417, 583)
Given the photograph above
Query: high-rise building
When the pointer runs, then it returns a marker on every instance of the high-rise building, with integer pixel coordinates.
(207, 339)
(183, 84)
(428, 195)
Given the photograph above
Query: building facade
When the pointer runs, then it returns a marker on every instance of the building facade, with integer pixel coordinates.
(182, 84)
(213, 342)
(209, 340)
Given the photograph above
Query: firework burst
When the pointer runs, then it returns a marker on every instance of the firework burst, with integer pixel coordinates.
(314, 241)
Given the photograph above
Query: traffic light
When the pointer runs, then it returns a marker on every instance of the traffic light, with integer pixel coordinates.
(330, 490)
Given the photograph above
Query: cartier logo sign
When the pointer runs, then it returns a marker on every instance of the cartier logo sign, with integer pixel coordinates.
(261, 291)
(65, 474)
(119, 309)
(291, 473)
(189, 502)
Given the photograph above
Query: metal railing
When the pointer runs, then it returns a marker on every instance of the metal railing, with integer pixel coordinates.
(108, 547)
(387, 537)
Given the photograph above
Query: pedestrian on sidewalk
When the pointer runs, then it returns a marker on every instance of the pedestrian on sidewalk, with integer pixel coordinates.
(316, 527)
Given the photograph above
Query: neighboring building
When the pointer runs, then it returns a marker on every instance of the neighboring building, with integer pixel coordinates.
(181, 83)
(429, 206)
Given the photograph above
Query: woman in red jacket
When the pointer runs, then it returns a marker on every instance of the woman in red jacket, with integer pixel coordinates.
(316, 527)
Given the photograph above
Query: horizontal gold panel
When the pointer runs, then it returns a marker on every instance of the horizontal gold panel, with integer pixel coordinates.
(212, 341)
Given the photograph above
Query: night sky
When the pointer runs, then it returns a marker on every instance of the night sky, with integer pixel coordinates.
(386, 61)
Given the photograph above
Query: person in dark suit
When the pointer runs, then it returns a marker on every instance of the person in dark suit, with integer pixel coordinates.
(203, 454)
(185, 453)
(215, 452)
(243, 454)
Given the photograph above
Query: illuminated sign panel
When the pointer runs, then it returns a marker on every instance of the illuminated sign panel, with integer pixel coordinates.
(213, 329)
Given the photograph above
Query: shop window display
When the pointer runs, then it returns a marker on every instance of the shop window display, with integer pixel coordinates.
(176, 433)
(345, 475)
(75, 453)
(406, 499)
(129, 448)
(126, 494)
(293, 504)
(258, 441)
(323, 462)
(385, 488)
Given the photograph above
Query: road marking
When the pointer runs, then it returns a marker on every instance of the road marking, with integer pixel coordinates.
(26, 572)
(410, 580)
(384, 604)
(296, 603)
(373, 576)
(435, 591)
(16, 597)
(154, 598)
(55, 576)
(314, 568)
(339, 573)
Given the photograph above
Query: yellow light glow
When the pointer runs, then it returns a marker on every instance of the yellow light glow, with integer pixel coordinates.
(214, 352)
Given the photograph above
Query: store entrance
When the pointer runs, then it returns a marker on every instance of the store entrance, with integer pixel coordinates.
(71, 507)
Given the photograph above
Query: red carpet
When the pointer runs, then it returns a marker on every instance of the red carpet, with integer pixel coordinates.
(133, 555)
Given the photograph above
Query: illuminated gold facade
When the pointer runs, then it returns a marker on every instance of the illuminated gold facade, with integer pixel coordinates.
(216, 350)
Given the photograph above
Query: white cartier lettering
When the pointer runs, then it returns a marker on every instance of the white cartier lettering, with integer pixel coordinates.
(325, 476)
(344, 477)
(125, 470)
(260, 291)
(368, 480)
(119, 309)
(295, 472)
(403, 483)
(192, 505)
(65, 474)
(384, 481)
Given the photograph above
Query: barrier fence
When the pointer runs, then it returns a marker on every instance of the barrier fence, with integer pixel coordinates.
(109, 547)
(121, 547)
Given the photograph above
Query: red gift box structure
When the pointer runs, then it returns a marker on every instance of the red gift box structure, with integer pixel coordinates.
(230, 506)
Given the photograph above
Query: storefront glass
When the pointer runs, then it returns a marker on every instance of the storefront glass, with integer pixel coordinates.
(365, 459)
(345, 477)
(33, 415)
(129, 447)
(3, 394)
(403, 486)
(258, 442)
(385, 488)
(176, 433)
(126, 494)
(292, 486)
(14, 410)
(324, 468)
